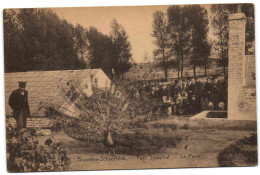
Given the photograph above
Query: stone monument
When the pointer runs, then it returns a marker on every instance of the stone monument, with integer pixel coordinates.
(241, 99)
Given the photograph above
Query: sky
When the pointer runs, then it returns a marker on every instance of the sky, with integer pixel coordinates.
(136, 20)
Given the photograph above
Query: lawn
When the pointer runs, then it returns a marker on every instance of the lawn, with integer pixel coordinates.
(191, 148)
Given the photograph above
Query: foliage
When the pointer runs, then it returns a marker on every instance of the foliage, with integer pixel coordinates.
(200, 48)
(237, 155)
(109, 52)
(161, 39)
(80, 41)
(181, 38)
(101, 52)
(180, 44)
(122, 48)
(248, 10)
(36, 39)
(27, 155)
(220, 26)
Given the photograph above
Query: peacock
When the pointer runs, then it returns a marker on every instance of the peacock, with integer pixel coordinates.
(111, 119)
(109, 142)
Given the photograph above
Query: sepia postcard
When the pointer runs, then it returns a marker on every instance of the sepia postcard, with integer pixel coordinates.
(130, 87)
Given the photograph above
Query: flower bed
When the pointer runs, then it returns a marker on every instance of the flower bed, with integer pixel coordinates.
(25, 154)
(241, 153)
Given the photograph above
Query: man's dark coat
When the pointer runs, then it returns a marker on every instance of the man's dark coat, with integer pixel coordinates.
(19, 102)
(207, 90)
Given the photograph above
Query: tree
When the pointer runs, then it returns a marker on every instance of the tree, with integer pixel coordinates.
(161, 38)
(205, 55)
(179, 44)
(148, 67)
(248, 10)
(80, 41)
(220, 25)
(146, 58)
(12, 43)
(122, 48)
(101, 51)
(36, 39)
(198, 23)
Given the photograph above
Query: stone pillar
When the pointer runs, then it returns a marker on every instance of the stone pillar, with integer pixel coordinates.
(236, 64)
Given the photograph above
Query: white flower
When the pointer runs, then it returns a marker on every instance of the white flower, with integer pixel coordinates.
(118, 94)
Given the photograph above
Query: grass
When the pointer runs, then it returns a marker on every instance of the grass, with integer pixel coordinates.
(206, 144)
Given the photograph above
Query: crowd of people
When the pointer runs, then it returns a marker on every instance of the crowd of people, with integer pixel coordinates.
(187, 96)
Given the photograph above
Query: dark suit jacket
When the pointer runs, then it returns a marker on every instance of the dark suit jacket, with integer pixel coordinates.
(215, 92)
(207, 89)
(19, 102)
(197, 89)
(172, 91)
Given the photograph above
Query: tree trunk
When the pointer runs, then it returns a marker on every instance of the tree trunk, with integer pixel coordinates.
(178, 72)
(165, 66)
(182, 66)
(194, 55)
(166, 75)
(224, 70)
(222, 54)
(205, 70)
(194, 70)
(81, 51)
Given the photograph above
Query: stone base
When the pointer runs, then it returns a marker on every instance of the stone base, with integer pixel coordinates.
(200, 121)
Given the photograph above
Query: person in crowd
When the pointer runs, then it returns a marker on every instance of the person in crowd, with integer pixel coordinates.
(188, 82)
(178, 88)
(172, 94)
(224, 90)
(189, 90)
(178, 103)
(215, 92)
(196, 96)
(156, 96)
(189, 96)
(184, 84)
(206, 94)
(164, 97)
(185, 102)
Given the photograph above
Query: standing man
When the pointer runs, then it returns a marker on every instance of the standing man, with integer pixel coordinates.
(18, 101)
(206, 94)
(172, 95)
(215, 92)
(196, 96)
(189, 90)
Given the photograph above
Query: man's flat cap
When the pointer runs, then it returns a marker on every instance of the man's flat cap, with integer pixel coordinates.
(22, 83)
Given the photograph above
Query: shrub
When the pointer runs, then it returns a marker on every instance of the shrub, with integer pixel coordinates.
(25, 154)
(237, 155)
